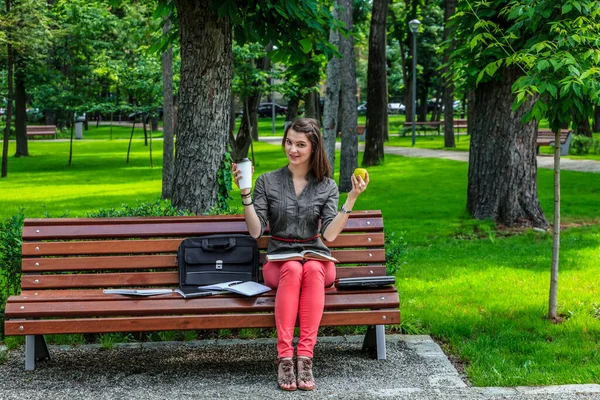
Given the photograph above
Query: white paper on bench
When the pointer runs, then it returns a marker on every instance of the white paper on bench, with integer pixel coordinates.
(138, 292)
(249, 288)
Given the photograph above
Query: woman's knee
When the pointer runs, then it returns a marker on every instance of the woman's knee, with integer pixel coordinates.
(291, 269)
(313, 269)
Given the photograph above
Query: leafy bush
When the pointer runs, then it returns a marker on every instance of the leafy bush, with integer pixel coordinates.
(157, 209)
(596, 147)
(395, 248)
(10, 260)
(581, 145)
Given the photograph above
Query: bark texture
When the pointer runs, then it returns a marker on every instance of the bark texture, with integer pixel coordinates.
(205, 90)
(596, 126)
(168, 155)
(377, 116)
(332, 100)
(9, 77)
(241, 142)
(450, 10)
(349, 151)
(22, 150)
(502, 160)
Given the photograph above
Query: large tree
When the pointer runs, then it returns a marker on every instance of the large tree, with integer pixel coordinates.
(448, 97)
(502, 181)
(203, 117)
(168, 122)
(294, 26)
(349, 150)
(377, 116)
(332, 100)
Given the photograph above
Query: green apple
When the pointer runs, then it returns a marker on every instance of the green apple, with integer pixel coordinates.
(361, 172)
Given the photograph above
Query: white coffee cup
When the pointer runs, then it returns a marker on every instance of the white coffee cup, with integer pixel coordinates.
(245, 166)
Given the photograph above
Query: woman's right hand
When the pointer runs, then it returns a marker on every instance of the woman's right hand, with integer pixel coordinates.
(237, 175)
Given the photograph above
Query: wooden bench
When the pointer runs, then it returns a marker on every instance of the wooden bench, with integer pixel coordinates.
(68, 262)
(424, 126)
(459, 123)
(545, 137)
(41, 130)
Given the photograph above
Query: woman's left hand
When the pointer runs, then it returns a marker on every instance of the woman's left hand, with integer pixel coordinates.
(358, 185)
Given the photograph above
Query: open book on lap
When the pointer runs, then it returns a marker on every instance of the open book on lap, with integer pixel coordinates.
(302, 255)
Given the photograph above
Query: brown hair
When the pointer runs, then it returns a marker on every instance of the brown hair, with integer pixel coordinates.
(319, 164)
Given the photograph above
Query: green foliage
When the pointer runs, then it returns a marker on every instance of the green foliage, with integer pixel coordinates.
(556, 45)
(155, 209)
(10, 260)
(68, 340)
(224, 178)
(395, 250)
(248, 79)
(168, 336)
(109, 340)
(581, 145)
(295, 27)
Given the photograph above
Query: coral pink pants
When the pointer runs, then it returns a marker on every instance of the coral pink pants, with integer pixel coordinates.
(300, 293)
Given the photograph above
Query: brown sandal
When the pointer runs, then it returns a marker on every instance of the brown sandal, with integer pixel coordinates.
(305, 376)
(285, 374)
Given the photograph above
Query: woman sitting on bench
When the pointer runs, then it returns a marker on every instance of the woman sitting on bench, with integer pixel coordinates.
(292, 200)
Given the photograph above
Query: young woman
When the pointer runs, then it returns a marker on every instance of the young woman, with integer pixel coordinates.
(299, 202)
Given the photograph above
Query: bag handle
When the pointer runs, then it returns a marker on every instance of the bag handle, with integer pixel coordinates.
(223, 245)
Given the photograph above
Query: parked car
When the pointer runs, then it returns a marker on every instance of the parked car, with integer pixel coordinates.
(362, 108)
(396, 108)
(266, 110)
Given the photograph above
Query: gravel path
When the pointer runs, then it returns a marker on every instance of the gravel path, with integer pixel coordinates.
(544, 161)
(415, 368)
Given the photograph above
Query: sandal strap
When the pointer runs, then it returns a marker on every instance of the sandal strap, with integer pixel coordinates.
(305, 370)
(285, 373)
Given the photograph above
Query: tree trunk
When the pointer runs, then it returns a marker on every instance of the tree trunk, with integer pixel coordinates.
(20, 115)
(377, 116)
(450, 10)
(332, 99)
(310, 106)
(9, 78)
(349, 152)
(168, 155)
(582, 126)
(552, 298)
(471, 100)
(292, 109)
(502, 159)
(206, 71)
(596, 120)
(241, 142)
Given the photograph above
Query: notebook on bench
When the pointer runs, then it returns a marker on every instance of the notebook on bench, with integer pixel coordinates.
(364, 282)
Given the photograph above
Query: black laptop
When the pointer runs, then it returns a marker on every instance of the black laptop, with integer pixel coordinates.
(366, 282)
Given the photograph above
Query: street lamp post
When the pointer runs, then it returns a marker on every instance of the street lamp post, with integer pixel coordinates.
(414, 27)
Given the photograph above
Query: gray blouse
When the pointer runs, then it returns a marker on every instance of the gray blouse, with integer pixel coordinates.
(294, 217)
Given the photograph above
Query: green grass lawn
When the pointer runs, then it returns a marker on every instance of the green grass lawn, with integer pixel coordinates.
(481, 291)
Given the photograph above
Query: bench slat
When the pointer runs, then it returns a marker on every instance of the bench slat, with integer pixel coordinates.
(141, 279)
(164, 220)
(188, 322)
(155, 229)
(30, 249)
(30, 296)
(165, 306)
(166, 261)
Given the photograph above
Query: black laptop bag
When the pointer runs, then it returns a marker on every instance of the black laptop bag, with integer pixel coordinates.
(211, 259)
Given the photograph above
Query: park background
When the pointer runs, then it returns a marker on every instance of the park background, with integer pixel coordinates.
(479, 287)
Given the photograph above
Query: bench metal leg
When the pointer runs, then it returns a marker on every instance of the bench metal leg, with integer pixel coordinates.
(375, 340)
(35, 349)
